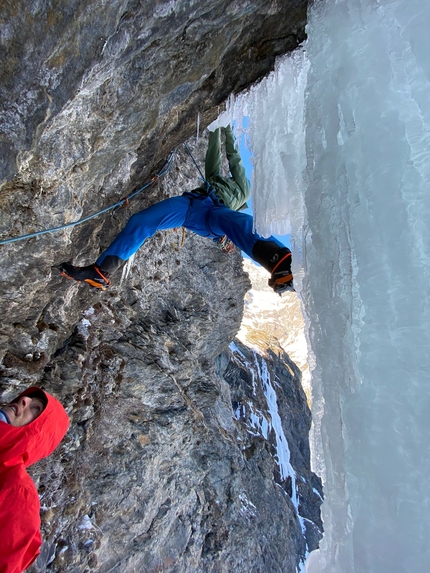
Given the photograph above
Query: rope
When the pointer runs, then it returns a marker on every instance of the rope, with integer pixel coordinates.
(210, 191)
(152, 182)
(208, 187)
(195, 163)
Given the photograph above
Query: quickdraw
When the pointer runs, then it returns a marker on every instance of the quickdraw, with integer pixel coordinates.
(226, 245)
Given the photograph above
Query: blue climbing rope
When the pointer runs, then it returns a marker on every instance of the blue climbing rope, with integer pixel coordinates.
(194, 161)
(207, 184)
(163, 171)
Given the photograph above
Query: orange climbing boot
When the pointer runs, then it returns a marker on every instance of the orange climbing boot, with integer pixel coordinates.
(91, 274)
(281, 279)
(277, 260)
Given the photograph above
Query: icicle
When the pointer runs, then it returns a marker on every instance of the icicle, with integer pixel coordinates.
(227, 116)
(126, 269)
(198, 127)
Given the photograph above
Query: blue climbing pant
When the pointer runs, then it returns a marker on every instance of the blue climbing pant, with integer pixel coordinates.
(198, 213)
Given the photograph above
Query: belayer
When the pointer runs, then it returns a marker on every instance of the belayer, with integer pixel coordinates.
(212, 210)
(31, 427)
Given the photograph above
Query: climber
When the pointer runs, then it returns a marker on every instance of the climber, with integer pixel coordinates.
(211, 210)
(31, 427)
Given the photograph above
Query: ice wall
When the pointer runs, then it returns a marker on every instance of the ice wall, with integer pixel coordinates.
(276, 134)
(367, 259)
(352, 177)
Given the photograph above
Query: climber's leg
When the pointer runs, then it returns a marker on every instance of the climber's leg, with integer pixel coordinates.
(213, 159)
(166, 214)
(237, 226)
(163, 215)
(269, 253)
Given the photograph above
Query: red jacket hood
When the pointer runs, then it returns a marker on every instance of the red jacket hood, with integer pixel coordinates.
(29, 444)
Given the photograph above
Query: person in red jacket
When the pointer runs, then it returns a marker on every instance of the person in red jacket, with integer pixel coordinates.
(31, 427)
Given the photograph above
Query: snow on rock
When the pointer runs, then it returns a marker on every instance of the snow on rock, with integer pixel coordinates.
(269, 401)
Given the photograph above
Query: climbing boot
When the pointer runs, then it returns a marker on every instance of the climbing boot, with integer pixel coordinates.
(276, 260)
(281, 281)
(90, 274)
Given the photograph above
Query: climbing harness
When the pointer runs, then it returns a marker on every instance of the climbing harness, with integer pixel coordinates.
(124, 200)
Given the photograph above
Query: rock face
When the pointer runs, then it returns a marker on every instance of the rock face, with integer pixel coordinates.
(160, 470)
(269, 402)
(87, 87)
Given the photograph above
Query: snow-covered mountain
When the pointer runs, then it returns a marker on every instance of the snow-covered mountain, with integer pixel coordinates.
(271, 321)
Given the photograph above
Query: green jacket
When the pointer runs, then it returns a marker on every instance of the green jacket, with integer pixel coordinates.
(233, 191)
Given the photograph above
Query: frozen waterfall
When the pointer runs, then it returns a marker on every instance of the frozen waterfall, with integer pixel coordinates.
(340, 134)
